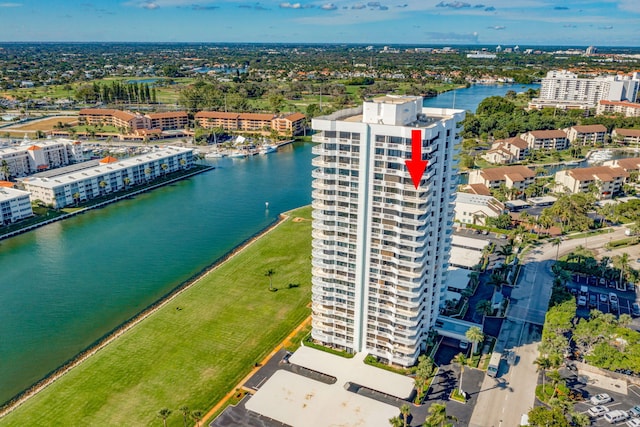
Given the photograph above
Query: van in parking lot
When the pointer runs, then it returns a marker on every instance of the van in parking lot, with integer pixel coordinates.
(616, 416)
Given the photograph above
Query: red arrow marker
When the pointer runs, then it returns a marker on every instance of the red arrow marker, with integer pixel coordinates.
(416, 165)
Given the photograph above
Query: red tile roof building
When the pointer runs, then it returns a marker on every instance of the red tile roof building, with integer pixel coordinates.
(287, 124)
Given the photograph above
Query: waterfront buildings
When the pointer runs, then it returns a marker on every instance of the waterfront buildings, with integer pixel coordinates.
(130, 122)
(475, 208)
(31, 157)
(505, 151)
(626, 136)
(515, 177)
(108, 176)
(603, 180)
(285, 124)
(586, 134)
(15, 205)
(629, 164)
(628, 109)
(381, 245)
(564, 89)
(546, 139)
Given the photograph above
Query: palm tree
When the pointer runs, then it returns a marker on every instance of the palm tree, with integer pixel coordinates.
(102, 185)
(485, 308)
(460, 360)
(622, 262)
(555, 378)
(438, 416)
(475, 335)
(505, 250)
(164, 168)
(126, 181)
(164, 414)
(556, 242)
(6, 172)
(183, 162)
(542, 363)
(197, 416)
(147, 172)
(405, 410)
(185, 413)
(395, 422)
(76, 198)
(269, 273)
(497, 280)
(624, 320)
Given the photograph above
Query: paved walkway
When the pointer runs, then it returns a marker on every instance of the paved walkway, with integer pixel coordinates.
(284, 343)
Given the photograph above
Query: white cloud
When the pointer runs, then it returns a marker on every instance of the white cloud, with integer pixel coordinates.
(150, 5)
(328, 6)
(288, 5)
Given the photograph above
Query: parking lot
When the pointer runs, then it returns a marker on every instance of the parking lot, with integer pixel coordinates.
(620, 401)
(602, 301)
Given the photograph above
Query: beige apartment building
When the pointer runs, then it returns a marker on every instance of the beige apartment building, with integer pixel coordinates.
(586, 134)
(606, 181)
(506, 151)
(288, 124)
(628, 109)
(626, 136)
(518, 177)
(546, 140)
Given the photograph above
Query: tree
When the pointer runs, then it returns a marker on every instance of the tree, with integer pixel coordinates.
(76, 198)
(269, 273)
(622, 262)
(405, 410)
(475, 336)
(556, 242)
(126, 181)
(542, 363)
(423, 371)
(164, 168)
(164, 414)
(6, 171)
(395, 422)
(542, 416)
(485, 308)
(102, 185)
(185, 413)
(624, 320)
(460, 359)
(147, 172)
(580, 420)
(555, 378)
(197, 416)
(438, 416)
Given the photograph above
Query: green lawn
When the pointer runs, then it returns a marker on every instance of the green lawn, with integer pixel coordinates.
(195, 349)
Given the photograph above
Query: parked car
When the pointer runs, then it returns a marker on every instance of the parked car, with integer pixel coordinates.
(596, 411)
(600, 399)
(635, 309)
(635, 422)
(604, 298)
(582, 301)
(616, 416)
(635, 411)
(593, 301)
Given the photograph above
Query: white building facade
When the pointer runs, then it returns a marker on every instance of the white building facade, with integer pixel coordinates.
(32, 157)
(381, 245)
(85, 184)
(564, 89)
(14, 205)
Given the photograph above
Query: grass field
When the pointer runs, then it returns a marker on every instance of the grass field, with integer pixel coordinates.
(193, 350)
(45, 124)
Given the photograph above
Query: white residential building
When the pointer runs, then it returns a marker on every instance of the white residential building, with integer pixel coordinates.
(475, 208)
(564, 89)
(381, 245)
(14, 205)
(32, 157)
(109, 176)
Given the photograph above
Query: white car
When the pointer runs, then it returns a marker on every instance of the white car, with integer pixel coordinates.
(596, 411)
(600, 399)
(635, 422)
(635, 411)
(582, 301)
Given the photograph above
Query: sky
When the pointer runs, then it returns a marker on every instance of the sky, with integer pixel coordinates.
(414, 22)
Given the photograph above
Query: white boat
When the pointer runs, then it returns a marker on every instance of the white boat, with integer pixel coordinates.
(268, 148)
(214, 155)
(600, 156)
(238, 155)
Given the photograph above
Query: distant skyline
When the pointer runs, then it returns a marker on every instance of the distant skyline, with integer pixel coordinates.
(504, 22)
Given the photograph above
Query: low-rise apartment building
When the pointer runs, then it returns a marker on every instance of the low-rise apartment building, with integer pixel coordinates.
(506, 151)
(108, 176)
(630, 164)
(130, 122)
(546, 140)
(518, 177)
(605, 181)
(289, 124)
(15, 205)
(628, 109)
(586, 134)
(475, 209)
(32, 157)
(626, 136)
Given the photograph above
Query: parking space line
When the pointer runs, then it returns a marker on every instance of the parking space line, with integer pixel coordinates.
(632, 391)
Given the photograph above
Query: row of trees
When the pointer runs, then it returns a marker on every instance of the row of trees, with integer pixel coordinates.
(438, 416)
(117, 92)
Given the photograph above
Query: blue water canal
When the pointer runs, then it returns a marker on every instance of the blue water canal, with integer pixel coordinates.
(65, 285)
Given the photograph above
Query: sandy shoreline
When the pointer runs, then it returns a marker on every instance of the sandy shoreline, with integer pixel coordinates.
(129, 324)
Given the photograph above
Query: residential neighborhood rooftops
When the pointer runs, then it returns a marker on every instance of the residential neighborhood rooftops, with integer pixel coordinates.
(627, 132)
(515, 173)
(477, 189)
(546, 134)
(589, 128)
(602, 173)
(517, 141)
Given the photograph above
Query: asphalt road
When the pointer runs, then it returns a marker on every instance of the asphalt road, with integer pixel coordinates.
(504, 399)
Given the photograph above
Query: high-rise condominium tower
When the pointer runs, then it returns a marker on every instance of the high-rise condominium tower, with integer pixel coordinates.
(381, 245)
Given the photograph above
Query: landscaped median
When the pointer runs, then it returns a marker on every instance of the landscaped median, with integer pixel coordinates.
(195, 348)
